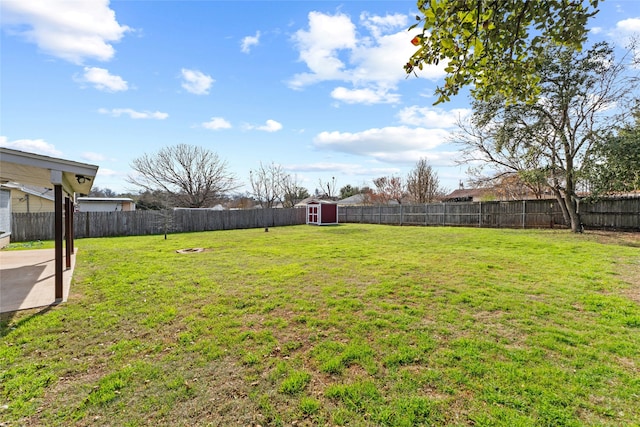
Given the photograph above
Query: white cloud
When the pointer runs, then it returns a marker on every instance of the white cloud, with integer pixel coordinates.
(319, 47)
(249, 41)
(432, 117)
(378, 25)
(38, 146)
(389, 144)
(629, 26)
(364, 96)
(340, 168)
(117, 112)
(93, 157)
(370, 57)
(269, 126)
(71, 30)
(196, 82)
(105, 172)
(216, 123)
(101, 79)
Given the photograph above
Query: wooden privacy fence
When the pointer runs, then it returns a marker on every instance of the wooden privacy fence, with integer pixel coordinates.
(39, 226)
(619, 214)
(616, 214)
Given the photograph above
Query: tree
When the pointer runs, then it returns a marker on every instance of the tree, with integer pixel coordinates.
(295, 195)
(292, 192)
(348, 191)
(151, 200)
(387, 189)
(102, 192)
(423, 184)
(271, 184)
(191, 176)
(495, 45)
(328, 189)
(616, 163)
(552, 141)
(266, 184)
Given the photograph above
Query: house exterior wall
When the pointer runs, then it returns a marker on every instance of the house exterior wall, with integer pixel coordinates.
(22, 202)
(5, 212)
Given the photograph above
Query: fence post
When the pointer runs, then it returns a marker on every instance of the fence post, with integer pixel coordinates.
(524, 213)
(444, 213)
(425, 214)
(480, 215)
(401, 214)
(379, 214)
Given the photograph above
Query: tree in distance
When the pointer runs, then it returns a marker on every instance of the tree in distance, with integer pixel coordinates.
(348, 191)
(388, 188)
(190, 176)
(496, 46)
(423, 184)
(270, 184)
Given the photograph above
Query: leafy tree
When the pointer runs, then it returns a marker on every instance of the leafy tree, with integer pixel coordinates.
(551, 142)
(348, 191)
(495, 45)
(616, 163)
(423, 184)
(191, 176)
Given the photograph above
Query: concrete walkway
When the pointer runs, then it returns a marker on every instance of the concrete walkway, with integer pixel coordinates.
(27, 279)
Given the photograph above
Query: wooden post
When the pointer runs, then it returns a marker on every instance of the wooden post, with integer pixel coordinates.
(71, 227)
(67, 229)
(57, 200)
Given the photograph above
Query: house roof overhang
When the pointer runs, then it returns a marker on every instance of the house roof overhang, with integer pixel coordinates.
(43, 171)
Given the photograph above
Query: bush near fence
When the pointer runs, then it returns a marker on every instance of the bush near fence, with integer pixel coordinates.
(611, 214)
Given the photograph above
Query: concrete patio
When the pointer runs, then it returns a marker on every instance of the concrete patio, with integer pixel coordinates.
(27, 279)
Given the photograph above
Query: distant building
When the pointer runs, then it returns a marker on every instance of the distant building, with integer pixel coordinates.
(359, 199)
(468, 195)
(29, 198)
(104, 204)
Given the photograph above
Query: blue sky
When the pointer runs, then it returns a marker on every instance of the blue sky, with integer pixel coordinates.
(315, 86)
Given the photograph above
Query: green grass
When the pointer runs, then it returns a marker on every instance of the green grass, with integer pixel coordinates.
(357, 325)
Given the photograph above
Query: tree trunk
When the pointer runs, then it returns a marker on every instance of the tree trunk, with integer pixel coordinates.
(563, 206)
(576, 222)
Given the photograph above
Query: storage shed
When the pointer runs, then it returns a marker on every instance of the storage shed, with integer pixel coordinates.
(322, 212)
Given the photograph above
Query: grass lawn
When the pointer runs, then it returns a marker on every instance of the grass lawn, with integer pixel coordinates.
(358, 325)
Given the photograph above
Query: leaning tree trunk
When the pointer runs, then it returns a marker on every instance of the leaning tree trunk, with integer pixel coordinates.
(563, 206)
(572, 207)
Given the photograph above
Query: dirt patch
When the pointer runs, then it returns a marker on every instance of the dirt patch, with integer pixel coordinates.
(190, 250)
(622, 238)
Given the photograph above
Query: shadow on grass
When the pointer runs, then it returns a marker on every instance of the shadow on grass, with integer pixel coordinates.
(5, 319)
